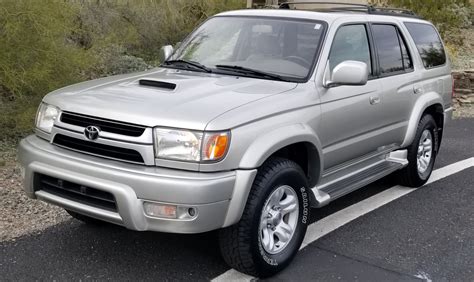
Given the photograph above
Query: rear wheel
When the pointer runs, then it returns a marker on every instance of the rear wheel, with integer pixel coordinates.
(421, 154)
(273, 224)
(86, 219)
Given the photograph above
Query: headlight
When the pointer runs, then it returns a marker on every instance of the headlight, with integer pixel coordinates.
(46, 116)
(187, 145)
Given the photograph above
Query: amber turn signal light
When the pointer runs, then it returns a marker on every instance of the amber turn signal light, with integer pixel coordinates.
(215, 146)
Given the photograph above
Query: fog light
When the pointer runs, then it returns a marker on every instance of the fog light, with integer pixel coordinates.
(192, 212)
(160, 210)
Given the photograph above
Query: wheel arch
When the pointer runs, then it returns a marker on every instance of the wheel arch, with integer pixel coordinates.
(296, 142)
(283, 141)
(431, 103)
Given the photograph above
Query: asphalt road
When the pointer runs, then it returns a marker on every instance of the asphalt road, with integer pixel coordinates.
(427, 234)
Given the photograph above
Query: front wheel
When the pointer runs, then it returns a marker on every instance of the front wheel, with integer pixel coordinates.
(274, 221)
(421, 154)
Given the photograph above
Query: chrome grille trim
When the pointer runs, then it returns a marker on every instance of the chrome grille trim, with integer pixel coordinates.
(145, 150)
(146, 138)
(117, 127)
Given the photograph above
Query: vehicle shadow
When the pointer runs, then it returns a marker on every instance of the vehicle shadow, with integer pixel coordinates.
(73, 250)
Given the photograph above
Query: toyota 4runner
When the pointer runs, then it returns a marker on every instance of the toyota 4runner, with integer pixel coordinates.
(257, 117)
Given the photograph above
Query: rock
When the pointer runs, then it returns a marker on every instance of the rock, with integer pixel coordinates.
(457, 75)
(466, 101)
(463, 91)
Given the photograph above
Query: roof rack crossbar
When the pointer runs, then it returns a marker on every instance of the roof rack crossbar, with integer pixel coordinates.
(353, 7)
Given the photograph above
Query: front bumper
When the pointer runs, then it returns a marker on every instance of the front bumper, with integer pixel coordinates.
(218, 197)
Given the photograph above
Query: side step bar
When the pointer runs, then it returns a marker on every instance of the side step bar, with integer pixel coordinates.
(351, 179)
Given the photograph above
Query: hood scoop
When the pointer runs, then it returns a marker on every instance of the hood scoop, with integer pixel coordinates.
(157, 84)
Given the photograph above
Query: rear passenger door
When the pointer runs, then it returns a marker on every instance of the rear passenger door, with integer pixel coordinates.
(395, 73)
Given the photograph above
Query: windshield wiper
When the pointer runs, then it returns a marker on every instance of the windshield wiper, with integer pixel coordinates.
(250, 71)
(193, 64)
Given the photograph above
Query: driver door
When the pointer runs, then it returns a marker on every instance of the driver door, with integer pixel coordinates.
(350, 124)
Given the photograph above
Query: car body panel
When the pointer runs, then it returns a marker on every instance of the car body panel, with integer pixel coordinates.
(197, 99)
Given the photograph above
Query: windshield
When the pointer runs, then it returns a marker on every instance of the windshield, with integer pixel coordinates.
(285, 48)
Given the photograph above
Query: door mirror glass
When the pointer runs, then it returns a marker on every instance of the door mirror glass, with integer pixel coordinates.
(348, 73)
(166, 52)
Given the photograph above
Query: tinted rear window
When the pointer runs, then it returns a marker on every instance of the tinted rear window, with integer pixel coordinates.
(428, 43)
(388, 48)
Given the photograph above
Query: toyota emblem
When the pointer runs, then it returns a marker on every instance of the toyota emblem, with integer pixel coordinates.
(92, 132)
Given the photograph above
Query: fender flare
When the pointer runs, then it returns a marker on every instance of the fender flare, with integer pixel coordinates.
(270, 142)
(258, 152)
(423, 102)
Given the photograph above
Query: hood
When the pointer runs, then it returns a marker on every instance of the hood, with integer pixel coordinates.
(164, 97)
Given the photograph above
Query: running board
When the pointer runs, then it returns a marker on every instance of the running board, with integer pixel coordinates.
(353, 178)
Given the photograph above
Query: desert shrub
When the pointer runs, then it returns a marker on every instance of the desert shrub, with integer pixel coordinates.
(35, 57)
(112, 60)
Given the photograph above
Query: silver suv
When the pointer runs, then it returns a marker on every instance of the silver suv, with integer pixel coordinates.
(257, 117)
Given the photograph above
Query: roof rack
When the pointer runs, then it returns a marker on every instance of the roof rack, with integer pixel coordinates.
(352, 7)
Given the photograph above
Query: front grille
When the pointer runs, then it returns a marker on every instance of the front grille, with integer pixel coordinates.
(111, 126)
(97, 149)
(76, 192)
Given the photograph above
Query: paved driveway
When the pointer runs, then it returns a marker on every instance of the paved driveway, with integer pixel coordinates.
(426, 234)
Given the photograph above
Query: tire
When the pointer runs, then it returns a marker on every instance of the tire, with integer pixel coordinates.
(413, 175)
(86, 219)
(246, 246)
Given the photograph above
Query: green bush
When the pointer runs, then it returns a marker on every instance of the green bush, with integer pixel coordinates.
(35, 57)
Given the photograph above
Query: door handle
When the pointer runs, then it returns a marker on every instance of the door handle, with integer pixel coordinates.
(374, 100)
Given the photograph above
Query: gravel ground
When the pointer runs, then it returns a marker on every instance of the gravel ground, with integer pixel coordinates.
(463, 111)
(20, 215)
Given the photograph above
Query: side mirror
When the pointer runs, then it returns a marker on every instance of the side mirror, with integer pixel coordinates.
(348, 73)
(165, 52)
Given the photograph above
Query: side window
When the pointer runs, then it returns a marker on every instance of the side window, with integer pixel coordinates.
(350, 43)
(428, 44)
(389, 51)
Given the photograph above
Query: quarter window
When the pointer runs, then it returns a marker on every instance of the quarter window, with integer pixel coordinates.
(428, 44)
(350, 43)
